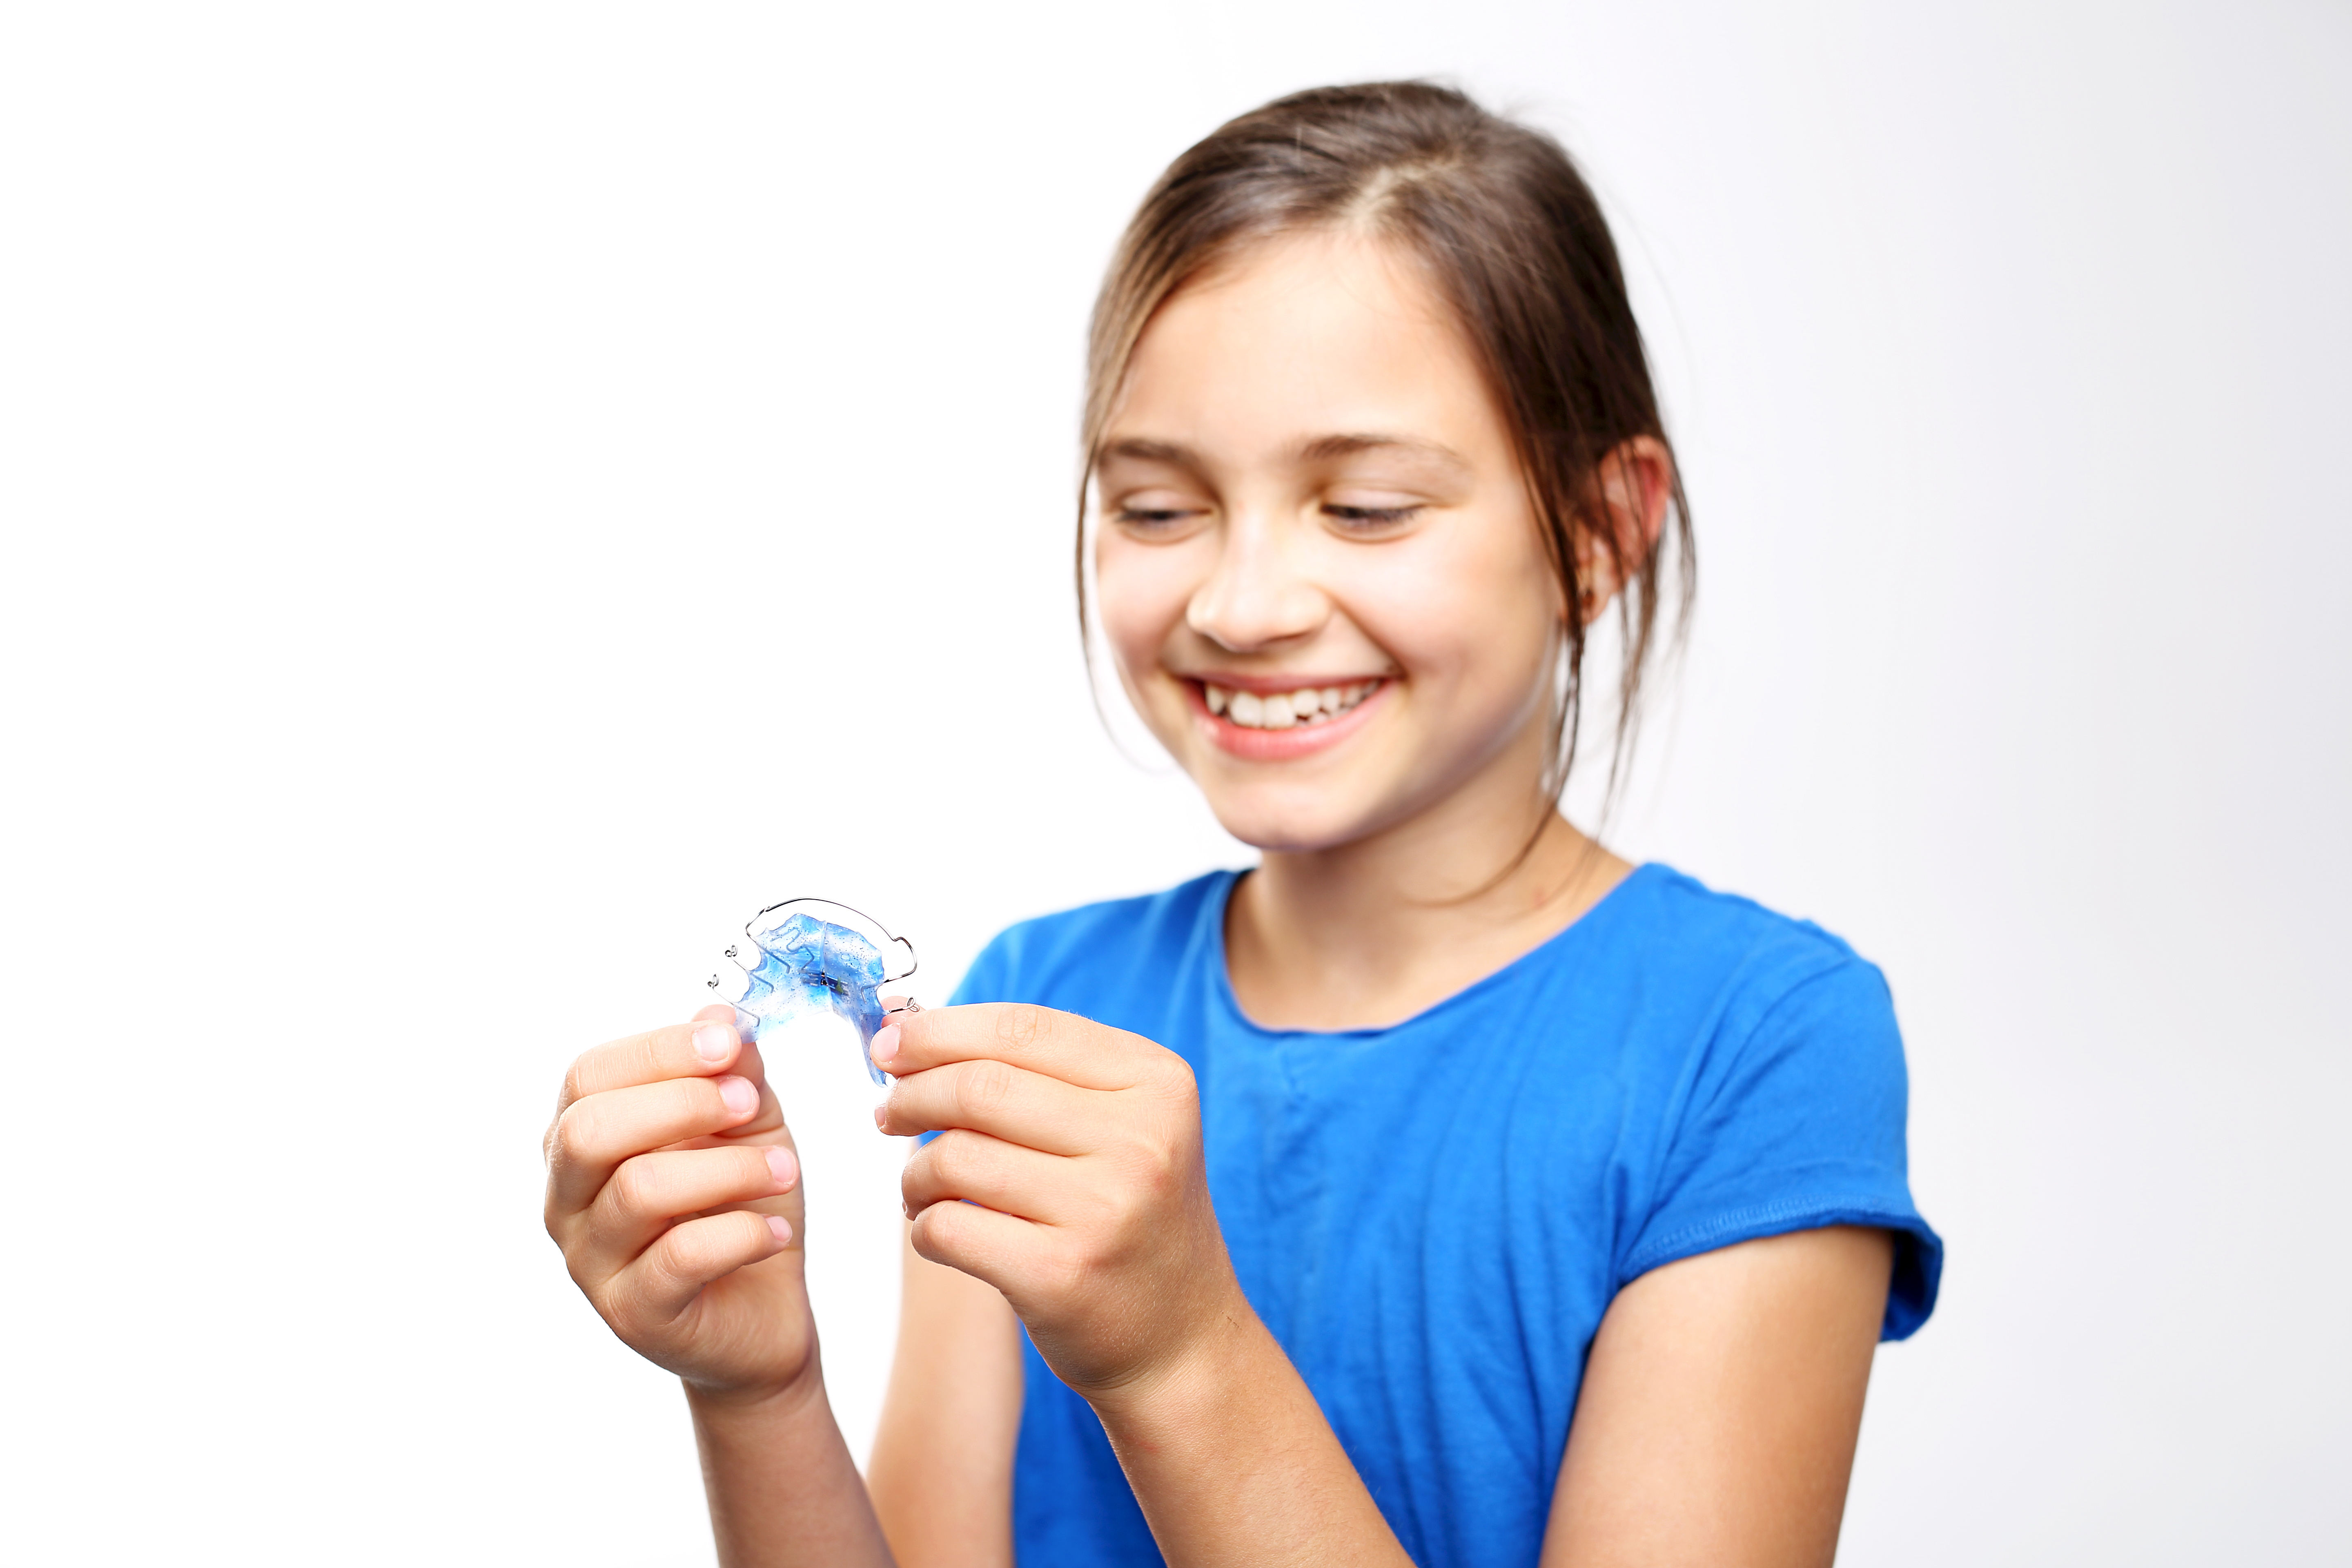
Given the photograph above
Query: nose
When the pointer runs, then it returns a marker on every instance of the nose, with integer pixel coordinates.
(1259, 597)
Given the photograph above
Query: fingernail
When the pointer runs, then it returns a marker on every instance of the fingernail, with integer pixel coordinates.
(739, 1094)
(781, 1228)
(782, 1166)
(886, 1045)
(713, 1041)
(881, 1114)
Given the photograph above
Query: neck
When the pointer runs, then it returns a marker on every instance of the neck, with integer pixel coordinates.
(1373, 932)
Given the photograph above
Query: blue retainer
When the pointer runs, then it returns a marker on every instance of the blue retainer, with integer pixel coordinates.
(808, 966)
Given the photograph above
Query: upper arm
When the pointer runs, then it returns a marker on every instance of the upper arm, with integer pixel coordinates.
(1720, 1407)
(941, 1475)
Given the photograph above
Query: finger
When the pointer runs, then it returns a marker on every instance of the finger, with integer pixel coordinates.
(973, 1167)
(591, 1138)
(1039, 1040)
(1004, 1101)
(981, 1242)
(705, 1045)
(665, 1278)
(650, 1192)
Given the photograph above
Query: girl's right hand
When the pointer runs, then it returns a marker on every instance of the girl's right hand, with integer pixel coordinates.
(674, 1190)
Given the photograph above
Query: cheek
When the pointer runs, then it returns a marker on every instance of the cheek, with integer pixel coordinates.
(1472, 626)
(1141, 592)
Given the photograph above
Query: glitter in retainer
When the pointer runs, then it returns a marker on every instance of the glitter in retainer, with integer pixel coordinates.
(803, 964)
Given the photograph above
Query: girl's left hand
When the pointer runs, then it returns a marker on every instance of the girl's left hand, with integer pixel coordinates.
(1076, 1151)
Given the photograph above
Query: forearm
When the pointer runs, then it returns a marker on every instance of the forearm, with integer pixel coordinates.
(784, 1490)
(941, 1472)
(1235, 1464)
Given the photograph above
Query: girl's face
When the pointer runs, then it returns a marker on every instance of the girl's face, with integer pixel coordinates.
(1318, 566)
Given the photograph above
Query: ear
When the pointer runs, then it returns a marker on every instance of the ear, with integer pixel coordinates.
(1633, 484)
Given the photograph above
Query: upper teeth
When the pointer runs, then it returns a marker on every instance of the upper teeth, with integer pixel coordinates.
(1283, 709)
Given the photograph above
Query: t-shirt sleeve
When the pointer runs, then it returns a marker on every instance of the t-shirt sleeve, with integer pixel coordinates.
(1791, 1121)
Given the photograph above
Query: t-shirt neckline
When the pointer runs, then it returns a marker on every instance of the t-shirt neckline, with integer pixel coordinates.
(1231, 1003)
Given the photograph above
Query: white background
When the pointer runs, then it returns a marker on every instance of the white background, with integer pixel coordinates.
(494, 494)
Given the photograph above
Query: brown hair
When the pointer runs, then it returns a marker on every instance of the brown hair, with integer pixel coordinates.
(1512, 236)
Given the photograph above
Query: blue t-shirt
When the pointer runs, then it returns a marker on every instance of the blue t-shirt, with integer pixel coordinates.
(1433, 1219)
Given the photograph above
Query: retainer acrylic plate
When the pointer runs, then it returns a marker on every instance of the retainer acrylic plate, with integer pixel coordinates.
(807, 957)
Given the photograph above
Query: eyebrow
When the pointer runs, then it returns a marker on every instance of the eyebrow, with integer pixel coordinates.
(1324, 447)
(1318, 449)
(1167, 452)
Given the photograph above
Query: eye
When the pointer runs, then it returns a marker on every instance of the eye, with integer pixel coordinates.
(1156, 513)
(1368, 519)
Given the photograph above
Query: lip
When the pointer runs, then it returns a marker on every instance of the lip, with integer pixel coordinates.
(1278, 745)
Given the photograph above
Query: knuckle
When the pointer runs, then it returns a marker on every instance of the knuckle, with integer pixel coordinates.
(967, 1159)
(952, 1232)
(574, 1134)
(695, 1101)
(1158, 1171)
(656, 1053)
(689, 1254)
(930, 1236)
(984, 1087)
(1019, 1023)
(1176, 1075)
(694, 1249)
(634, 1190)
(940, 1161)
(659, 1272)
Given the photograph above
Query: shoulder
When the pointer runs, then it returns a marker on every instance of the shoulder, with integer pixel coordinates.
(1059, 960)
(1739, 963)
(1708, 926)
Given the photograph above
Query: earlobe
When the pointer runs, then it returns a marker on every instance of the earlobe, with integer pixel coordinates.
(1597, 579)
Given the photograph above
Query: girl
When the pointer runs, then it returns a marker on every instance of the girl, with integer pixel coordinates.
(1443, 1189)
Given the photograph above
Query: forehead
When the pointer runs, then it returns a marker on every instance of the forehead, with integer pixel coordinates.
(1302, 336)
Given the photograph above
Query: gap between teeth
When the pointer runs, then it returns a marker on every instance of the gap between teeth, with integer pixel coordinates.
(1285, 709)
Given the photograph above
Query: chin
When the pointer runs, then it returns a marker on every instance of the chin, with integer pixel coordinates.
(1287, 827)
(1296, 815)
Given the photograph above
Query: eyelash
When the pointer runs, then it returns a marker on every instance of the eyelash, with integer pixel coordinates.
(1375, 516)
(1359, 516)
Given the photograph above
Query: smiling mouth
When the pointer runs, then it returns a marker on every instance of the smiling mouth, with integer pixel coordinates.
(1300, 708)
